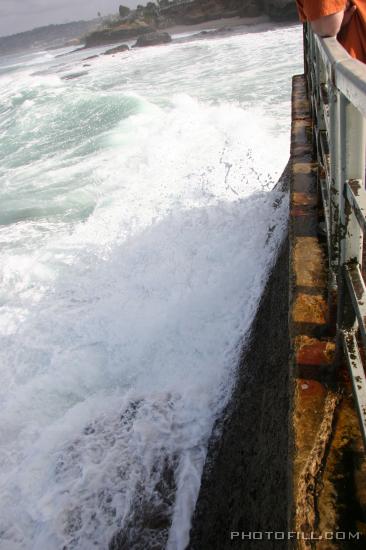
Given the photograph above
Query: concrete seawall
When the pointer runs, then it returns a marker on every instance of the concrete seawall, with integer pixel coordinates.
(245, 481)
(287, 454)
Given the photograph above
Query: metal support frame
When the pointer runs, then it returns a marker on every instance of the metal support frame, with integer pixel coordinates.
(337, 92)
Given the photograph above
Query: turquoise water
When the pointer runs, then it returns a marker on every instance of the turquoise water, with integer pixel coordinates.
(137, 230)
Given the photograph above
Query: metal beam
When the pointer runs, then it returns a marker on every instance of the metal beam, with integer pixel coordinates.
(358, 378)
(357, 292)
(356, 196)
(337, 89)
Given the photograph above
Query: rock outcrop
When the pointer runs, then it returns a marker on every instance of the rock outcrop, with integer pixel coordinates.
(118, 33)
(117, 49)
(153, 39)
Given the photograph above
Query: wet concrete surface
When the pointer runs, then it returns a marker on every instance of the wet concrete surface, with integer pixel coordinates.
(245, 482)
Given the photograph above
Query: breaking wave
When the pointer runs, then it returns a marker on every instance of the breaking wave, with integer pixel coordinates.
(138, 227)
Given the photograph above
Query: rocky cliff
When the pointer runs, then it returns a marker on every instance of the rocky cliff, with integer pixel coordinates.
(280, 9)
(203, 10)
(144, 20)
(276, 9)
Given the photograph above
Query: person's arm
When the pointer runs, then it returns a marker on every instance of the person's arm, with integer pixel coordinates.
(330, 25)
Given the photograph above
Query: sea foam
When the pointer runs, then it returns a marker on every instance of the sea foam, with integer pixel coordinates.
(139, 225)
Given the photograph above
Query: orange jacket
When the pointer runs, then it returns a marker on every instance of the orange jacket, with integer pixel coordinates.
(353, 35)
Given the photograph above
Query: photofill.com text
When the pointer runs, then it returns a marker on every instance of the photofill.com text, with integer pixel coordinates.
(294, 535)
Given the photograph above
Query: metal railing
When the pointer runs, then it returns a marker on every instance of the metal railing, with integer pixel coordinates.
(337, 91)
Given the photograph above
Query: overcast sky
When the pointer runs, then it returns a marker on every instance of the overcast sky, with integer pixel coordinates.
(22, 15)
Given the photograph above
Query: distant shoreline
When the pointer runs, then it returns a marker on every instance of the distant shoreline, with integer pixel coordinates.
(122, 35)
(212, 27)
(233, 24)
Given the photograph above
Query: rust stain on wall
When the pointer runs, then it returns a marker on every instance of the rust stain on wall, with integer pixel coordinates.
(309, 309)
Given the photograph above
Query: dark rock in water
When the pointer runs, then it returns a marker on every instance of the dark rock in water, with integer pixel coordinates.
(117, 49)
(151, 514)
(151, 508)
(71, 76)
(91, 57)
(153, 39)
(70, 53)
(216, 32)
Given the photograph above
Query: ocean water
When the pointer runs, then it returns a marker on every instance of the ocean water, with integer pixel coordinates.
(138, 226)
